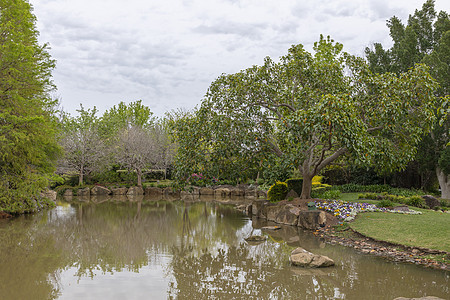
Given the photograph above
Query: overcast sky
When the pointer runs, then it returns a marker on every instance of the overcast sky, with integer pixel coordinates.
(167, 52)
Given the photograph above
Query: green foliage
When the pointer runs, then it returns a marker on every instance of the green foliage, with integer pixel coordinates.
(416, 201)
(331, 194)
(371, 196)
(295, 184)
(385, 203)
(28, 146)
(277, 191)
(260, 181)
(305, 111)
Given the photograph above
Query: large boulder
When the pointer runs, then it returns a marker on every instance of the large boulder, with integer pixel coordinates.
(49, 194)
(153, 191)
(251, 193)
(84, 192)
(206, 191)
(312, 219)
(100, 190)
(119, 191)
(431, 201)
(259, 208)
(68, 193)
(222, 192)
(135, 190)
(292, 194)
(302, 258)
(288, 215)
(237, 192)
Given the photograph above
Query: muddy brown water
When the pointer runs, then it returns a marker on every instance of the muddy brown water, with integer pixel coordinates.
(146, 249)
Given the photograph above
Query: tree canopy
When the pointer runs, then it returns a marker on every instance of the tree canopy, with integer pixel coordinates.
(424, 39)
(28, 143)
(309, 109)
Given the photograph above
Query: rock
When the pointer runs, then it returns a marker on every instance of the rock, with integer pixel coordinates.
(135, 190)
(401, 208)
(100, 190)
(222, 192)
(119, 191)
(256, 238)
(237, 192)
(153, 191)
(84, 192)
(259, 208)
(251, 193)
(431, 201)
(206, 191)
(184, 193)
(248, 210)
(49, 194)
(195, 190)
(292, 194)
(262, 194)
(312, 219)
(68, 193)
(288, 215)
(169, 191)
(302, 258)
(270, 227)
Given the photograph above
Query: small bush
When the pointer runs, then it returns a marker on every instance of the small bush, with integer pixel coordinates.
(260, 181)
(416, 201)
(334, 194)
(371, 196)
(295, 184)
(277, 191)
(385, 203)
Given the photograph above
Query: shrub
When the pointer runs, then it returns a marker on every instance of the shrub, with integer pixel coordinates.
(260, 181)
(416, 201)
(333, 194)
(295, 184)
(371, 196)
(385, 203)
(277, 191)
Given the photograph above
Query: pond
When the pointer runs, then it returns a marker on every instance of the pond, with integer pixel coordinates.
(148, 249)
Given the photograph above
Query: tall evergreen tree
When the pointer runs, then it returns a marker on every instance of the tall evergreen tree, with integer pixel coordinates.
(28, 146)
(424, 39)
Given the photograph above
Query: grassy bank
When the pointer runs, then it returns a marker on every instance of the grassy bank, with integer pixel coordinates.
(431, 229)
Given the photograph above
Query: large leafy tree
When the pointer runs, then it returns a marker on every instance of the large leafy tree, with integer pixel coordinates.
(310, 109)
(424, 39)
(28, 146)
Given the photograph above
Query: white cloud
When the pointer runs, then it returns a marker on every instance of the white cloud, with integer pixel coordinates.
(168, 52)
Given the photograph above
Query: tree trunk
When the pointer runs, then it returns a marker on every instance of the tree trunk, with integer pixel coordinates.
(139, 177)
(306, 186)
(444, 183)
(80, 177)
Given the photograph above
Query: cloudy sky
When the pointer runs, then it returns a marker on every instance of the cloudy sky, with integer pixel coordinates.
(167, 52)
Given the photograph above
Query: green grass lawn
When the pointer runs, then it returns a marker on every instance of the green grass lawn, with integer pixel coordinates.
(429, 230)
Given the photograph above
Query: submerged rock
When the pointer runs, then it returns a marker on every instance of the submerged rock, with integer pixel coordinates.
(302, 258)
(256, 238)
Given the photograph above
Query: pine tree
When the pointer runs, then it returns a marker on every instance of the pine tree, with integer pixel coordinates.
(28, 146)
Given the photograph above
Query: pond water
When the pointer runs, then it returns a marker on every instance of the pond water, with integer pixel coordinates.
(148, 249)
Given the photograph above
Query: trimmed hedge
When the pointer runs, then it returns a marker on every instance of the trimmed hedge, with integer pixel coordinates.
(277, 191)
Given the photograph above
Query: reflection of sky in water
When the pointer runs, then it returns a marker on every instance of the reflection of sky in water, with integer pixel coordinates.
(150, 282)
